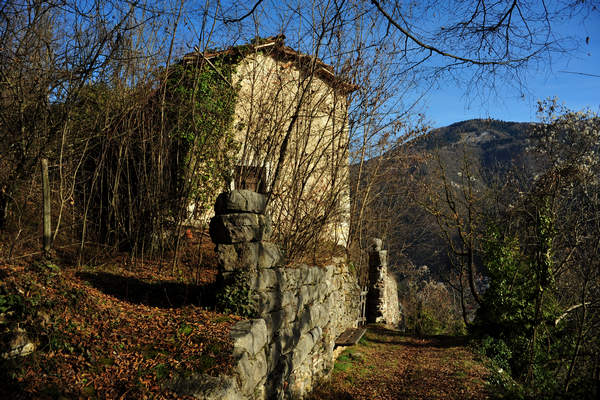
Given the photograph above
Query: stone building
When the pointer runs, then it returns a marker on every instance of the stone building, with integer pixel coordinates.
(286, 96)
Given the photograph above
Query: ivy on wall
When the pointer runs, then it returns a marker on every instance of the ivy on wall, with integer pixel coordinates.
(200, 105)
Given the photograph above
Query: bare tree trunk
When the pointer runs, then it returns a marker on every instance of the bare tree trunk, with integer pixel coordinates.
(463, 306)
(579, 339)
(538, 309)
(4, 200)
(471, 272)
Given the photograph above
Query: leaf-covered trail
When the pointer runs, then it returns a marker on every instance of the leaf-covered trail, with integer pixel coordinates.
(388, 365)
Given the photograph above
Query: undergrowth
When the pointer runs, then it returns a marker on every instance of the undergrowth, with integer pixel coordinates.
(94, 344)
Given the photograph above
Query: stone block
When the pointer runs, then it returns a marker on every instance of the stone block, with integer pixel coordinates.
(330, 285)
(252, 371)
(289, 314)
(266, 279)
(283, 280)
(377, 259)
(316, 333)
(289, 298)
(319, 315)
(322, 290)
(375, 244)
(287, 339)
(293, 277)
(237, 228)
(267, 301)
(308, 275)
(308, 294)
(274, 356)
(304, 296)
(205, 387)
(329, 272)
(269, 255)
(304, 346)
(319, 274)
(329, 302)
(239, 256)
(19, 346)
(307, 318)
(274, 320)
(249, 336)
(238, 201)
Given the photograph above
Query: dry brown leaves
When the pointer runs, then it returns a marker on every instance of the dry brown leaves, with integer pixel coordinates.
(95, 345)
(387, 365)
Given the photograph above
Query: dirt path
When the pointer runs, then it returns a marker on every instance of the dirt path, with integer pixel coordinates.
(388, 365)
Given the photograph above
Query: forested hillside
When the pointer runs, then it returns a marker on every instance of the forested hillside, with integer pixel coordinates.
(490, 149)
(505, 216)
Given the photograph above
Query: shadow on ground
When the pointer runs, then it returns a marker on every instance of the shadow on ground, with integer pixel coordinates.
(162, 294)
(380, 334)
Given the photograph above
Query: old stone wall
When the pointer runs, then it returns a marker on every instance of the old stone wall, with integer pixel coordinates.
(392, 314)
(300, 310)
(382, 298)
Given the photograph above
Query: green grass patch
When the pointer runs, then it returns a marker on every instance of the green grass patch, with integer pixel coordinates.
(161, 371)
(106, 361)
(222, 318)
(344, 358)
(185, 330)
(341, 366)
(460, 374)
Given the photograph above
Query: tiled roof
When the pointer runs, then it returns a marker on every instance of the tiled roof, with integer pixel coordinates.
(274, 46)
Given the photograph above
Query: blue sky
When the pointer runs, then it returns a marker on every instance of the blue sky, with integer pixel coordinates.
(449, 104)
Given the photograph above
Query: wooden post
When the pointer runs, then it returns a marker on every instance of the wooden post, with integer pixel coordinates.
(47, 236)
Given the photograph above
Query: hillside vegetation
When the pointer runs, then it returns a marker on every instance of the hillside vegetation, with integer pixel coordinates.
(506, 217)
(117, 331)
(492, 150)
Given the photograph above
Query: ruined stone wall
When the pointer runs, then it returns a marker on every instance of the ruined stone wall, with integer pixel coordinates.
(300, 310)
(382, 299)
(392, 314)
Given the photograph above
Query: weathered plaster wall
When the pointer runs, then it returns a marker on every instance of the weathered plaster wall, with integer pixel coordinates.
(272, 80)
(317, 158)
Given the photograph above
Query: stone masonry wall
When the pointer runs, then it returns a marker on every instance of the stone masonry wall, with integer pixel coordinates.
(300, 310)
(382, 298)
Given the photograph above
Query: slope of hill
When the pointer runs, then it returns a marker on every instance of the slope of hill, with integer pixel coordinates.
(487, 148)
(492, 146)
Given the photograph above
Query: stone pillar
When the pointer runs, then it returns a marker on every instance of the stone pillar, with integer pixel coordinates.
(240, 229)
(377, 276)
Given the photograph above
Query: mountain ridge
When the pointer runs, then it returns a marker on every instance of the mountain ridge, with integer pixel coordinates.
(490, 149)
